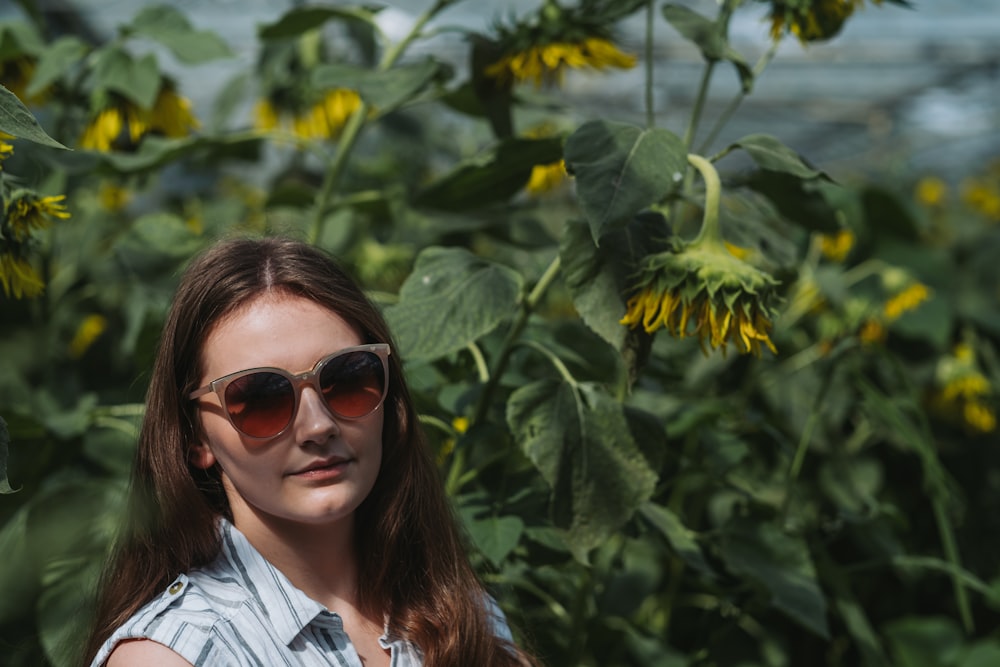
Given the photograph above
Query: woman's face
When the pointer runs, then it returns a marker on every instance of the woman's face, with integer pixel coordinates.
(320, 468)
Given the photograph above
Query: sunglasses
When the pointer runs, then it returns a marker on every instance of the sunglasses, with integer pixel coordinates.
(262, 402)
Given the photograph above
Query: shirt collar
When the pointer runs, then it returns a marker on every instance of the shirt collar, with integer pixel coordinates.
(288, 608)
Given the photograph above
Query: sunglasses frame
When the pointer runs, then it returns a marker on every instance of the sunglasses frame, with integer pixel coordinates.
(309, 378)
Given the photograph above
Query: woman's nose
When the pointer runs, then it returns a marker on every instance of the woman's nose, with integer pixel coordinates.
(314, 422)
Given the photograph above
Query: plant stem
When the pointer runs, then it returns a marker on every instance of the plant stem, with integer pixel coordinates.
(356, 122)
(527, 306)
(650, 115)
(713, 197)
(735, 103)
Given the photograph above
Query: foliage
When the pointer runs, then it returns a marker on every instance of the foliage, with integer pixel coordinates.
(633, 498)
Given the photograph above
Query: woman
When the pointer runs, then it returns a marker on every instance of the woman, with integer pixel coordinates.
(286, 517)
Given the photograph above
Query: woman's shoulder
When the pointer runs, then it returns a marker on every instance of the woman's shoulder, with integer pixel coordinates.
(144, 652)
(182, 619)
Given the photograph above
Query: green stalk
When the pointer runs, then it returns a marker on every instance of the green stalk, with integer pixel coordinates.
(356, 122)
(735, 103)
(650, 15)
(952, 556)
(710, 233)
(527, 306)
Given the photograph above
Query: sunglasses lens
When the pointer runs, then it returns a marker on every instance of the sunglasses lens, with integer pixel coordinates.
(353, 384)
(260, 404)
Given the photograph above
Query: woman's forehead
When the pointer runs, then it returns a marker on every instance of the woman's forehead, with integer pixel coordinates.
(281, 330)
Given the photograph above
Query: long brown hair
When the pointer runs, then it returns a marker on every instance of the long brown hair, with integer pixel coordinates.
(411, 553)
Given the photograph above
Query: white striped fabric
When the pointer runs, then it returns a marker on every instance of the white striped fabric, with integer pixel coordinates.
(242, 612)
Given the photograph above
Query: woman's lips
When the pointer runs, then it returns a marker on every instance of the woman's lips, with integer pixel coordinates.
(322, 469)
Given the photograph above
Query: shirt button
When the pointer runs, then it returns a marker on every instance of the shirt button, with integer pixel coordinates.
(175, 588)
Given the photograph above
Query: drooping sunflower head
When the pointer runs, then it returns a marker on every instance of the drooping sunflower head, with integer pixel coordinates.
(704, 291)
(119, 124)
(543, 46)
(812, 20)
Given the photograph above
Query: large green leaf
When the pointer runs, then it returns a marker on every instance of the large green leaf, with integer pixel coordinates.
(621, 169)
(303, 19)
(451, 299)
(56, 60)
(494, 176)
(17, 121)
(709, 37)
(169, 27)
(579, 440)
(781, 564)
(136, 79)
(385, 91)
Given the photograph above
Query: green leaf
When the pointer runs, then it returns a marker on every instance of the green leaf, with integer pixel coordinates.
(851, 612)
(597, 276)
(771, 154)
(18, 38)
(579, 440)
(708, 36)
(138, 80)
(809, 203)
(304, 19)
(385, 91)
(680, 538)
(451, 299)
(496, 536)
(931, 321)
(495, 176)
(56, 60)
(70, 526)
(984, 653)
(621, 169)
(17, 121)
(157, 242)
(65, 607)
(170, 28)
(19, 578)
(781, 564)
(4, 453)
(916, 641)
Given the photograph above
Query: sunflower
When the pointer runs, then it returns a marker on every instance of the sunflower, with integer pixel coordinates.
(961, 393)
(122, 124)
(18, 277)
(701, 289)
(325, 119)
(26, 212)
(836, 247)
(811, 20)
(907, 299)
(546, 63)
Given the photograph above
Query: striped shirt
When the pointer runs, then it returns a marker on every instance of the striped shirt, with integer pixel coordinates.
(241, 611)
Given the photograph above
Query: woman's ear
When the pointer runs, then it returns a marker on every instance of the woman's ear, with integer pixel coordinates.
(200, 456)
